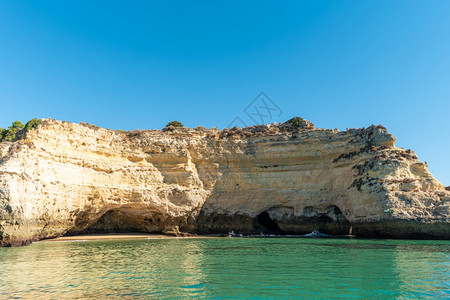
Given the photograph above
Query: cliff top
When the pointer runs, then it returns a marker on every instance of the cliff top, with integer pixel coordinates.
(374, 134)
(265, 129)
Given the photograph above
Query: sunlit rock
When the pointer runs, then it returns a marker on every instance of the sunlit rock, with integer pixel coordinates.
(64, 178)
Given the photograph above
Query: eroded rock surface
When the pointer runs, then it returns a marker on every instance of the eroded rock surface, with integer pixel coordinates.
(65, 178)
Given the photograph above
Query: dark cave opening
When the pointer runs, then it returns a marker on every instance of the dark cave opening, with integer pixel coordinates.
(324, 219)
(264, 223)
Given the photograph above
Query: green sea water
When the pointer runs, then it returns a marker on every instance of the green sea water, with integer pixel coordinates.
(218, 268)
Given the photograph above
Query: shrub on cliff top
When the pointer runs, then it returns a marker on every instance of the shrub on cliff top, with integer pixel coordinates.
(295, 121)
(33, 123)
(175, 124)
(17, 130)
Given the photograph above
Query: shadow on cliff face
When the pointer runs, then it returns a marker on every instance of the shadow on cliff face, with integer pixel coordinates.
(284, 220)
(277, 220)
(121, 221)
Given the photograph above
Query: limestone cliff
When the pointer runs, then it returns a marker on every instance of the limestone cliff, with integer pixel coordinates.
(64, 178)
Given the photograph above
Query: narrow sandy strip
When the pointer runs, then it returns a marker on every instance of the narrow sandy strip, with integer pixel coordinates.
(112, 236)
(117, 236)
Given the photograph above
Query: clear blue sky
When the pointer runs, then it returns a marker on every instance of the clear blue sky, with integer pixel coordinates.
(140, 64)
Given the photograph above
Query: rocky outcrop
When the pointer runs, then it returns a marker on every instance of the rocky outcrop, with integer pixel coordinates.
(64, 178)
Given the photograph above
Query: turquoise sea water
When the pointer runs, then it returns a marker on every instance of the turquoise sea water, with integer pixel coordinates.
(217, 268)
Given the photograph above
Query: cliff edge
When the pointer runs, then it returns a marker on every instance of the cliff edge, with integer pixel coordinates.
(64, 178)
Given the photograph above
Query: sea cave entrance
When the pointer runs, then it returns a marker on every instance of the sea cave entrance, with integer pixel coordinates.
(265, 224)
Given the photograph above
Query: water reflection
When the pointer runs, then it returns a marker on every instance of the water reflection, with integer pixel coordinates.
(423, 268)
(227, 267)
(102, 268)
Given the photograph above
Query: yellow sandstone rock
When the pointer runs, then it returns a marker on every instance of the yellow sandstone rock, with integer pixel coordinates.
(65, 178)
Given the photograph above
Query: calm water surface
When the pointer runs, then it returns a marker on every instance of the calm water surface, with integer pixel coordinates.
(257, 268)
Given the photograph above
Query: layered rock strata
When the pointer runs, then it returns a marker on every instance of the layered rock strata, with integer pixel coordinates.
(65, 178)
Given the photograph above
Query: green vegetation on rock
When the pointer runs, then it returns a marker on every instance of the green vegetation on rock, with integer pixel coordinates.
(295, 121)
(33, 123)
(17, 130)
(13, 130)
(175, 124)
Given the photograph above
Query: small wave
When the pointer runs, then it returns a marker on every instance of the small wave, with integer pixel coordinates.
(315, 233)
(232, 234)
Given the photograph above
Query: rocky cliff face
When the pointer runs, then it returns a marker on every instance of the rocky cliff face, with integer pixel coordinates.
(65, 178)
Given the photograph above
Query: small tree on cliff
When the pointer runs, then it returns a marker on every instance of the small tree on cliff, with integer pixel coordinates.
(12, 131)
(175, 124)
